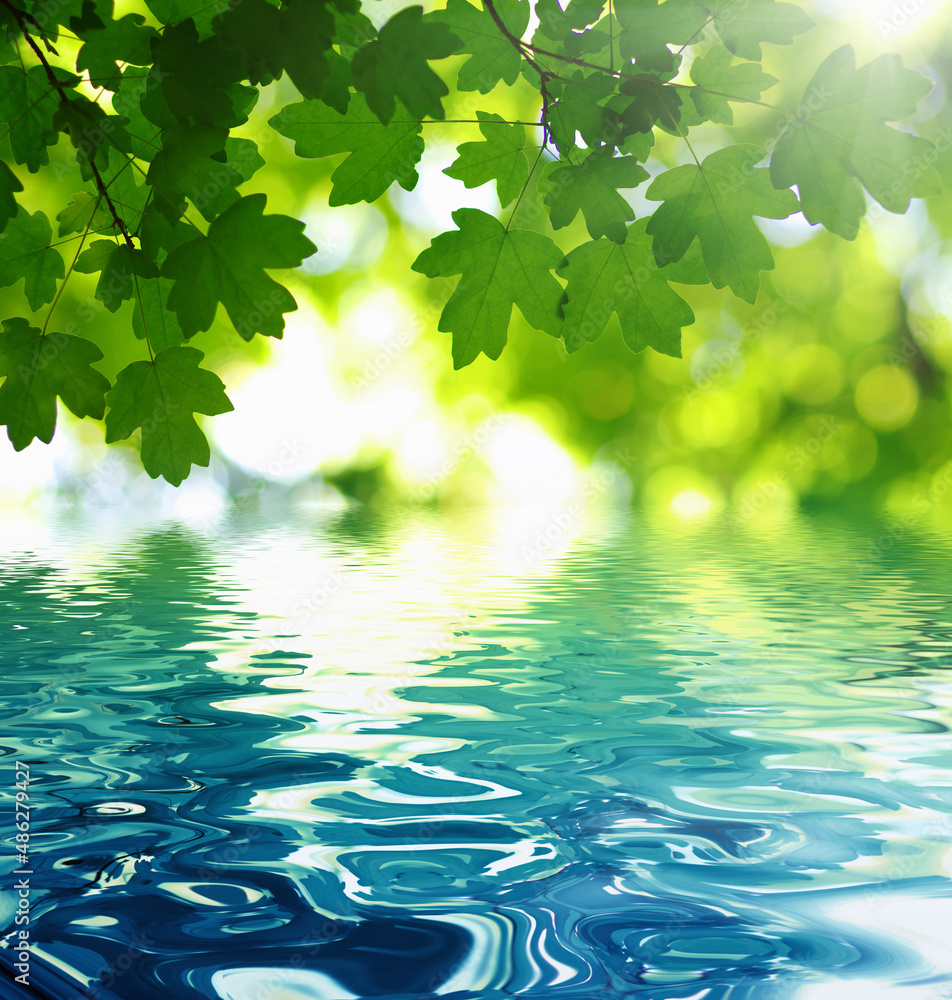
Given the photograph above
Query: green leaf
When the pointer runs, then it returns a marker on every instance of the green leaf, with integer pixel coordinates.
(84, 211)
(121, 266)
(228, 265)
(499, 157)
(394, 65)
(191, 165)
(556, 23)
(92, 132)
(716, 202)
(151, 316)
(28, 106)
(108, 42)
(500, 268)
(40, 368)
(161, 397)
(196, 75)
(649, 27)
(146, 135)
(295, 38)
(592, 188)
(744, 24)
(719, 82)
(840, 141)
(9, 186)
(25, 252)
(379, 154)
(577, 109)
(604, 277)
(202, 12)
(493, 58)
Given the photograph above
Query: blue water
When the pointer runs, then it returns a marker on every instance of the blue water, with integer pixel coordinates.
(317, 754)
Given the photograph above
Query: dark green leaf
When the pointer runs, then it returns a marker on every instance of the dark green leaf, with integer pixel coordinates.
(40, 368)
(228, 265)
(28, 106)
(121, 268)
(161, 397)
(84, 211)
(9, 186)
(500, 268)
(395, 65)
(107, 42)
(25, 252)
(151, 315)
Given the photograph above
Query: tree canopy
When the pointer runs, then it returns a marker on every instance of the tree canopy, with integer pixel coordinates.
(594, 223)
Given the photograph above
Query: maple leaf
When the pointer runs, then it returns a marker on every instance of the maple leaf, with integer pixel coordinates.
(500, 268)
(493, 58)
(294, 38)
(39, 368)
(9, 186)
(195, 75)
(719, 82)
(227, 265)
(592, 188)
(394, 66)
(649, 27)
(161, 397)
(192, 164)
(499, 157)
(25, 252)
(604, 277)
(84, 211)
(152, 318)
(379, 154)
(840, 142)
(744, 24)
(578, 109)
(121, 268)
(715, 202)
(108, 41)
(28, 106)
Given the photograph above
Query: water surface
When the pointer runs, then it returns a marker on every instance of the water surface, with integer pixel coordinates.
(318, 755)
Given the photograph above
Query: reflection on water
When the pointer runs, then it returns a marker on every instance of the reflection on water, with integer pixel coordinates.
(482, 754)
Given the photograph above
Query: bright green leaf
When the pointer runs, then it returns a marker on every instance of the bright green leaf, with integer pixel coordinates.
(715, 202)
(649, 27)
(744, 24)
(38, 369)
(499, 157)
(379, 154)
(841, 141)
(25, 252)
(228, 265)
(500, 268)
(604, 277)
(592, 189)
(492, 56)
(28, 106)
(85, 211)
(719, 82)
(161, 397)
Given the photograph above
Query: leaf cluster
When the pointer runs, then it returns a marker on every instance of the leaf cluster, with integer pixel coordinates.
(148, 103)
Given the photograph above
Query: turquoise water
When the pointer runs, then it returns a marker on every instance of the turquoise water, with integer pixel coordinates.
(316, 754)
